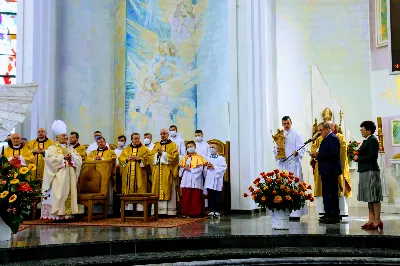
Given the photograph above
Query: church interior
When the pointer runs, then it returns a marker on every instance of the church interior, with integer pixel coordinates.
(199, 132)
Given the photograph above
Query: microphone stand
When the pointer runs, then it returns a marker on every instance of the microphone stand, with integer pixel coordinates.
(305, 143)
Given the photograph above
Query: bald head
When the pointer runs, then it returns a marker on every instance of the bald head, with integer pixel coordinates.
(16, 139)
(41, 133)
(164, 134)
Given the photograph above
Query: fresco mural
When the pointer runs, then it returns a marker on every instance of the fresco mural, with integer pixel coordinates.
(161, 74)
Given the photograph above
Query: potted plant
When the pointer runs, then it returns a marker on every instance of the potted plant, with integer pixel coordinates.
(281, 193)
(16, 190)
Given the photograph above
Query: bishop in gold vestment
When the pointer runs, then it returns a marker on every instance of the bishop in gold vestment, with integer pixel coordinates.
(165, 160)
(19, 150)
(133, 162)
(38, 147)
(344, 181)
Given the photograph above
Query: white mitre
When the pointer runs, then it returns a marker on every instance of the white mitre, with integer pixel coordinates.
(59, 127)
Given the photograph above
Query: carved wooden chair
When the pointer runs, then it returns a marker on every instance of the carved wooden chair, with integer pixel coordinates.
(93, 185)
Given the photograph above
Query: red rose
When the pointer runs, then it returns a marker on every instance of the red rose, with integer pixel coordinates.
(269, 180)
(270, 173)
(24, 187)
(276, 171)
(291, 173)
(309, 187)
(296, 179)
(278, 181)
(245, 195)
(355, 152)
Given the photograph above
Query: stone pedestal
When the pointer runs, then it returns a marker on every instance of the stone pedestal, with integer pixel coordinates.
(394, 205)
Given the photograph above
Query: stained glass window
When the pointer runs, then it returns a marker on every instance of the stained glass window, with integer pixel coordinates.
(8, 41)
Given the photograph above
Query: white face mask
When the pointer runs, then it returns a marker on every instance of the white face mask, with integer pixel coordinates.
(121, 144)
(213, 151)
(191, 150)
(198, 138)
(146, 141)
(172, 133)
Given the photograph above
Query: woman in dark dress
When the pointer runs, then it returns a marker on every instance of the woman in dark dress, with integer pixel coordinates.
(369, 185)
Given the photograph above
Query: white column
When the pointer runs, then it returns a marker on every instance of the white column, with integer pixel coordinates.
(252, 94)
(37, 57)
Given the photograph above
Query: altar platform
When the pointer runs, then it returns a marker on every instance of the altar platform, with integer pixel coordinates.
(234, 239)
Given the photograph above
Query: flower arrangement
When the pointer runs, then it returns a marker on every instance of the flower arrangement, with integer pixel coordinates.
(280, 190)
(16, 189)
(352, 149)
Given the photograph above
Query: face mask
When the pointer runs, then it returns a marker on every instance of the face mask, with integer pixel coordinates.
(146, 141)
(198, 138)
(213, 151)
(191, 150)
(121, 144)
(172, 133)
(96, 138)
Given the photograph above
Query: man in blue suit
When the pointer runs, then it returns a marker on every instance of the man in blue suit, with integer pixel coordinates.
(329, 167)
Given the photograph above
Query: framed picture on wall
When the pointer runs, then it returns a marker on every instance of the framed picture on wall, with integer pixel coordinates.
(381, 25)
(395, 132)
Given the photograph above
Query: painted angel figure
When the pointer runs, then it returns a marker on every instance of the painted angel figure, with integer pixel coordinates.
(166, 64)
(183, 22)
(155, 104)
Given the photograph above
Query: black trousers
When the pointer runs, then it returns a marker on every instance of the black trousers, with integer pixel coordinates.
(330, 195)
(214, 200)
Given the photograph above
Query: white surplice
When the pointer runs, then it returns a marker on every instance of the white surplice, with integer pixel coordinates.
(215, 177)
(60, 183)
(192, 178)
(181, 146)
(293, 142)
(203, 148)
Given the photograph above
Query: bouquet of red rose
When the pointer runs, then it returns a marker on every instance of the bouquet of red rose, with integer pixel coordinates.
(279, 190)
(16, 190)
(352, 149)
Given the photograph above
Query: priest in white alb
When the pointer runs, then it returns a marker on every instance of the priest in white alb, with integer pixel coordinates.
(293, 143)
(61, 172)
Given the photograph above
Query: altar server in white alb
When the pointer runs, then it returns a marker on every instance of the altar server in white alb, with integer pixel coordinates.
(173, 135)
(202, 147)
(293, 143)
(216, 167)
(61, 172)
(191, 171)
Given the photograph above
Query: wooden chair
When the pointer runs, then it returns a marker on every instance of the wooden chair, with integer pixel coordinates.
(146, 199)
(93, 185)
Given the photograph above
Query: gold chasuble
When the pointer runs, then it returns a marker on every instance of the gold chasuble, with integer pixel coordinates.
(39, 158)
(165, 169)
(23, 151)
(134, 174)
(106, 154)
(344, 179)
(81, 150)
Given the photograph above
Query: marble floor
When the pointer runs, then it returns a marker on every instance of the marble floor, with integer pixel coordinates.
(227, 225)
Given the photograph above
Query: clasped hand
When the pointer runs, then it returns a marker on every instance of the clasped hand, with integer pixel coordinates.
(38, 151)
(133, 158)
(160, 151)
(186, 167)
(210, 165)
(67, 156)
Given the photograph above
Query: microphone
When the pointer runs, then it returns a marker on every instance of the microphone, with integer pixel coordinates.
(313, 138)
